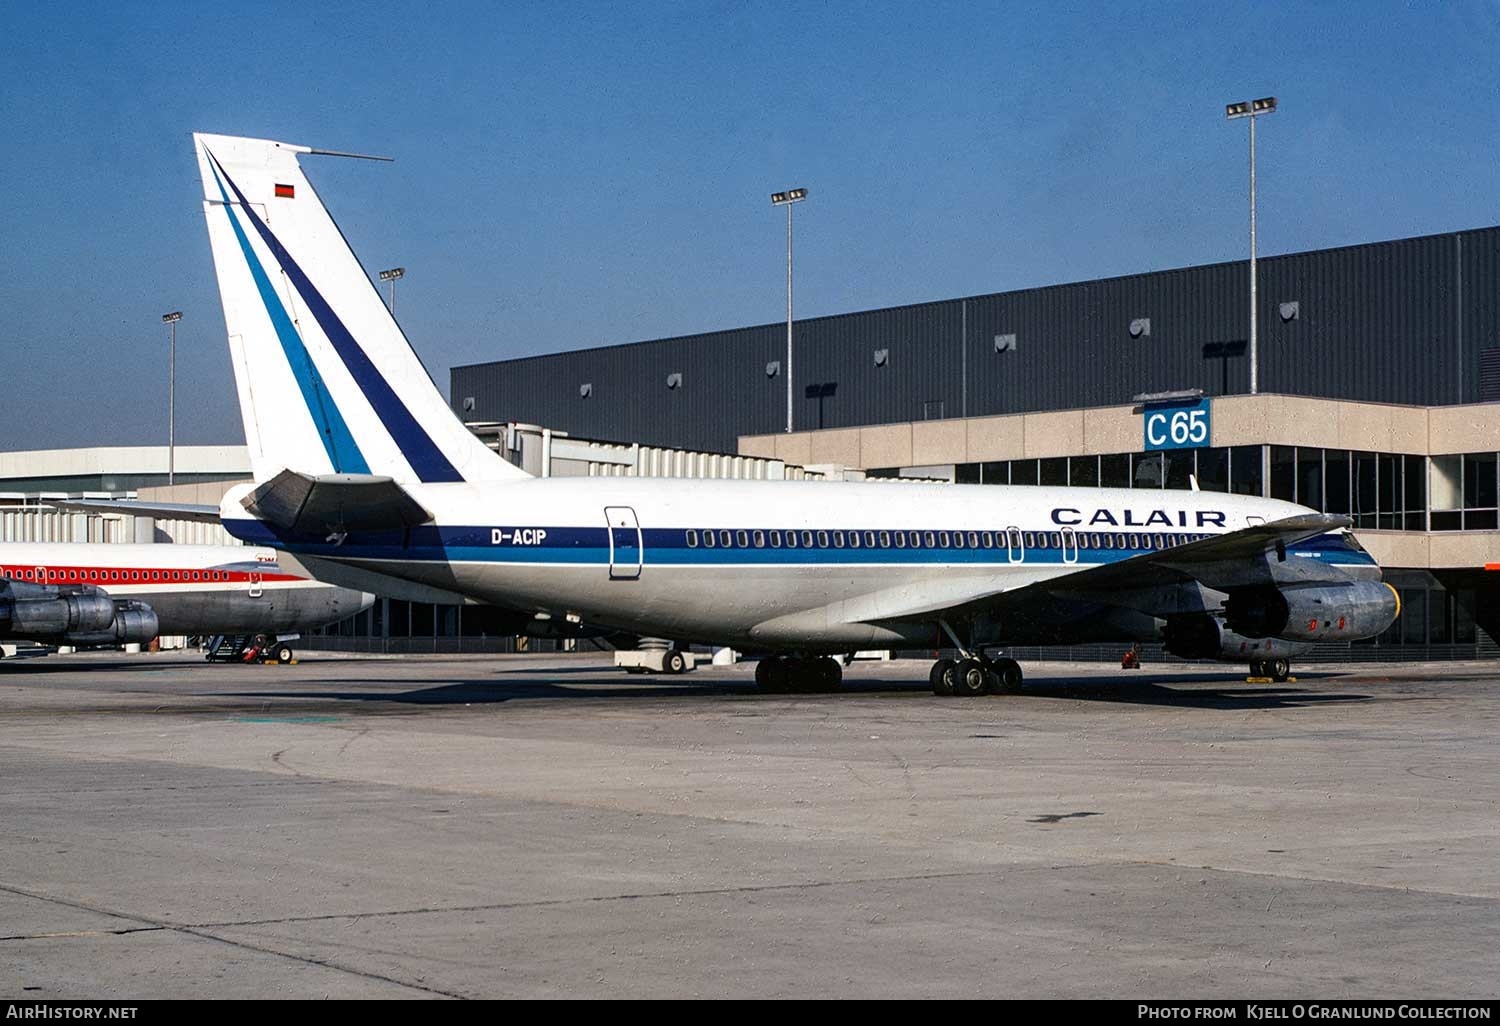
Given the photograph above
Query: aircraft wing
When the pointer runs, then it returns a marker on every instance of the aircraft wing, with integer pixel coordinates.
(1250, 556)
(318, 504)
(132, 507)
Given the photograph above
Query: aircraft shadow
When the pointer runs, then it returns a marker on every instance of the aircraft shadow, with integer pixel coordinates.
(474, 692)
(1139, 692)
(43, 664)
(540, 686)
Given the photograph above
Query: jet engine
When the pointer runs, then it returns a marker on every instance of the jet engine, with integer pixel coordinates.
(41, 610)
(1205, 637)
(72, 615)
(135, 622)
(1313, 612)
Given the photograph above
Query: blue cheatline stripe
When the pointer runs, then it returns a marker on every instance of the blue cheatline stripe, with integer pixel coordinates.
(416, 446)
(337, 440)
(585, 546)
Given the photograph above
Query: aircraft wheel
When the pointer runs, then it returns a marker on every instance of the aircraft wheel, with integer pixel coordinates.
(804, 676)
(1258, 668)
(941, 677)
(1007, 677)
(773, 675)
(829, 674)
(1280, 669)
(674, 663)
(763, 674)
(970, 679)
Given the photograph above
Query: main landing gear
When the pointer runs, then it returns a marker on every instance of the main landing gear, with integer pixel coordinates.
(780, 675)
(973, 674)
(1278, 670)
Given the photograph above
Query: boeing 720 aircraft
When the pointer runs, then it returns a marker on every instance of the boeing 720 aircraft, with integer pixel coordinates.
(94, 594)
(364, 473)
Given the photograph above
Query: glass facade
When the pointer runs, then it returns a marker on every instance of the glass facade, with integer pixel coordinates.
(1379, 490)
(393, 625)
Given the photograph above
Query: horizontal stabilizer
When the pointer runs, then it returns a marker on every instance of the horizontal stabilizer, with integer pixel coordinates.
(334, 503)
(331, 571)
(136, 508)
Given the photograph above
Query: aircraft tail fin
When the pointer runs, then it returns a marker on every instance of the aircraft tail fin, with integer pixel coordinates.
(327, 381)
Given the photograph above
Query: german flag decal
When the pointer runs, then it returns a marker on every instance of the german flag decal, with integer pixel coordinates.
(285, 191)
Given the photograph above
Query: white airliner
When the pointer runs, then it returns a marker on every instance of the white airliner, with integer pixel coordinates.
(365, 474)
(91, 594)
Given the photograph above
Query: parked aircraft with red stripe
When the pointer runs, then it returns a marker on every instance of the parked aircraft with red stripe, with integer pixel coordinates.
(114, 594)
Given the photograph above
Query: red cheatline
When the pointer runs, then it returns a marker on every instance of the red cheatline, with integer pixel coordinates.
(286, 191)
(1492, 566)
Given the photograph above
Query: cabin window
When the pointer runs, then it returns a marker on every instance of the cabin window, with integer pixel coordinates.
(854, 540)
(1159, 541)
(692, 539)
(1030, 539)
(742, 539)
(838, 539)
(708, 539)
(942, 539)
(973, 539)
(900, 539)
(931, 539)
(958, 539)
(807, 539)
(914, 539)
(822, 539)
(870, 539)
(760, 539)
(791, 539)
(988, 538)
(725, 539)
(775, 539)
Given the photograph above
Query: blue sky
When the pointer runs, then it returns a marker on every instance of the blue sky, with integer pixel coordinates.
(572, 175)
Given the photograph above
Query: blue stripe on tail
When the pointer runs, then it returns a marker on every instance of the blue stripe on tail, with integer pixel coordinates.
(415, 444)
(337, 440)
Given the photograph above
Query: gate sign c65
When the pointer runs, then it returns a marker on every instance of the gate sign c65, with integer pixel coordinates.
(1177, 426)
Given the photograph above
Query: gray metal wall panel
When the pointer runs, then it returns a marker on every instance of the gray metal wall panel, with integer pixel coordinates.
(1400, 322)
(1479, 302)
(922, 365)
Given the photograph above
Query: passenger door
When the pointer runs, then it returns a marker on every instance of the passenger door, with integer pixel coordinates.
(625, 543)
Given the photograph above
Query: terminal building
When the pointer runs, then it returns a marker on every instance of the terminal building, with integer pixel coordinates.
(1378, 398)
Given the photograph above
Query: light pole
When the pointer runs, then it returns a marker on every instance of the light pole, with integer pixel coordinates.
(786, 199)
(1251, 110)
(171, 319)
(393, 275)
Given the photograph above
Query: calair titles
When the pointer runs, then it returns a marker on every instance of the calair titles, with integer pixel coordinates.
(1067, 516)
